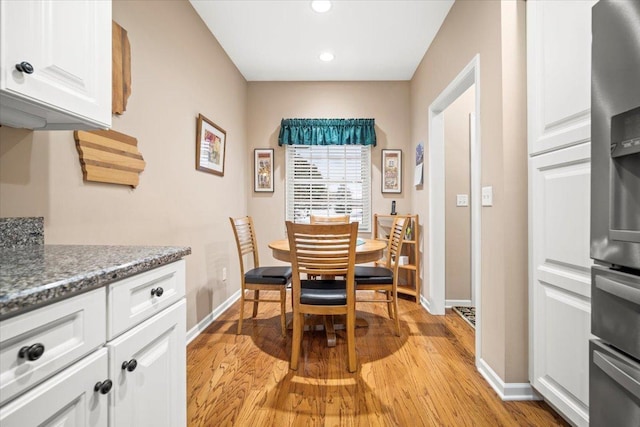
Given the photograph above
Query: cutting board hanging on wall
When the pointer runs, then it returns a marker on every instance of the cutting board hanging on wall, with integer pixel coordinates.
(109, 156)
(120, 69)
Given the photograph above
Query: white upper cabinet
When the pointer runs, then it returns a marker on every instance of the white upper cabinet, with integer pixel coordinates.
(63, 49)
(559, 73)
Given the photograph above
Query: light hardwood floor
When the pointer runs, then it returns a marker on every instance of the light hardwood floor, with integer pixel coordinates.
(425, 377)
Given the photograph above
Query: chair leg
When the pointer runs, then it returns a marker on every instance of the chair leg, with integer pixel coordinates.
(241, 312)
(351, 342)
(296, 341)
(256, 296)
(283, 318)
(389, 303)
(395, 309)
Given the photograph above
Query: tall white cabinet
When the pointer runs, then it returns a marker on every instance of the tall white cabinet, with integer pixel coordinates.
(559, 87)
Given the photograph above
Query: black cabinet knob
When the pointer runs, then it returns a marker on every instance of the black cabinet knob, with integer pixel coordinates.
(32, 352)
(157, 291)
(130, 366)
(24, 67)
(103, 387)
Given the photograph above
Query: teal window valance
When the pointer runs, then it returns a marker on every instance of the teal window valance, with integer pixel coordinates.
(327, 132)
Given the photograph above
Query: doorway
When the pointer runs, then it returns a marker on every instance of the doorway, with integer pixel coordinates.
(435, 302)
(458, 119)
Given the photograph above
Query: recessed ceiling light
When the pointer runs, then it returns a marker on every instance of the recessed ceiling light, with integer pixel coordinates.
(326, 56)
(321, 6)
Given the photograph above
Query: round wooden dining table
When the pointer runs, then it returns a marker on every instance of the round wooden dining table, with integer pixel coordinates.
(369, 251)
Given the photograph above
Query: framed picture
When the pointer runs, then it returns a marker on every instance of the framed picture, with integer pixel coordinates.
(210, 146)
(263, 170)
(391, 171)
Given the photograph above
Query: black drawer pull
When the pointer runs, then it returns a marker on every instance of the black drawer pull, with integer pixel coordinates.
(32, 352)
(103, 387)
(157, 291)
(25, 67)
(130, 366)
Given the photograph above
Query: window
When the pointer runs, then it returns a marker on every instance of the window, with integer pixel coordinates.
(329, 180)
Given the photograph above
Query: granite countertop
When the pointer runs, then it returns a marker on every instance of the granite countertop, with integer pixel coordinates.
(32, 276)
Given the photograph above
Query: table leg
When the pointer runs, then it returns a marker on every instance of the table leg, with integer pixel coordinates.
(331, 332)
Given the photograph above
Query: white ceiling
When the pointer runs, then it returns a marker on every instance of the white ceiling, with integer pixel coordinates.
(281, 40)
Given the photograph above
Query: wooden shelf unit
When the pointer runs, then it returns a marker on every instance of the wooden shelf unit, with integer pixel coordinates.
(409, 283)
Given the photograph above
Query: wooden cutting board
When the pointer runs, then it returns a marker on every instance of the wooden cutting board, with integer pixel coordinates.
(109, 156)
(121, 69)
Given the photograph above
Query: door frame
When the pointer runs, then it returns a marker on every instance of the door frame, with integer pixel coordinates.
(468, 77)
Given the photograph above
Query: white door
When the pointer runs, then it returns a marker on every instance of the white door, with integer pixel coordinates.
(67, 399)
(68, 44)
(153, 393)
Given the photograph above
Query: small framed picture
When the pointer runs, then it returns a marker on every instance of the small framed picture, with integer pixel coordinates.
(391, 171)
(210, 146)
(263, 170)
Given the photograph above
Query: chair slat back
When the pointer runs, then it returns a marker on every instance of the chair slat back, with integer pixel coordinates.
(324, 250)
(396, 239)
(338, 219)
(246, 241)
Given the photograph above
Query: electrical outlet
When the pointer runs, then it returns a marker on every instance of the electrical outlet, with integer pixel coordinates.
(224, 273)
(462, 200)
(487, 196)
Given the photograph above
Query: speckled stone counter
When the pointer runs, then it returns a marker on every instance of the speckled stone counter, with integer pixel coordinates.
(16, 232)
(32, 276)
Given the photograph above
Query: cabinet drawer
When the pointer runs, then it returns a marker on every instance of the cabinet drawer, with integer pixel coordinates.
(132, 300)
(67, 330)
(67, 399)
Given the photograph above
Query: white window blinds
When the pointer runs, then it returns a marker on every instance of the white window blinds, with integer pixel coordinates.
(329, 180)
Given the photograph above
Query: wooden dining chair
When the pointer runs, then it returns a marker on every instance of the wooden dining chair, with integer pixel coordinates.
(337, 219)
(385, 278)
(323, 250)
(271, 278)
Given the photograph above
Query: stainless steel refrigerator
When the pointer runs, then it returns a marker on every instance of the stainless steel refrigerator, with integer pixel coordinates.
(614, 358)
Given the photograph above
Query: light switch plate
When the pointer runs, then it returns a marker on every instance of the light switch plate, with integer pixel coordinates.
(487, 196)
(462, 200)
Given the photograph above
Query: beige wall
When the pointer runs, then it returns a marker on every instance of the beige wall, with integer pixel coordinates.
(494, 30)
(458, 181)
(178, 71)
(269, 102)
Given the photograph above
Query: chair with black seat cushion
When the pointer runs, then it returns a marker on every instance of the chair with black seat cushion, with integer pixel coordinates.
(385, 278)
(323, 251)
(271, 278)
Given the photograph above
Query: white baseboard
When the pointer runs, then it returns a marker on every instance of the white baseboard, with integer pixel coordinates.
(507, 391)
(457, 303)
(425, 303)
(202, 325)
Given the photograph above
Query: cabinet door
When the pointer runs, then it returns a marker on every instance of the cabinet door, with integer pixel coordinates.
(67, 399)
(558, 73)
(560, 279)
(154, 393)
(68, 43)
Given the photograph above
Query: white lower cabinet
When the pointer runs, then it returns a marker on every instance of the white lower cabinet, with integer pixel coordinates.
(148, 371)
(71, 374)
(560, 279)
(67, 399)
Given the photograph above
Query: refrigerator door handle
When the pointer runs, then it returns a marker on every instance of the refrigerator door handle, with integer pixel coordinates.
(620, 372)
(618, 289)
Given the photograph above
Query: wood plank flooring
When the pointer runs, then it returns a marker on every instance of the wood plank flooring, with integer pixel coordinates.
(425, 377)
